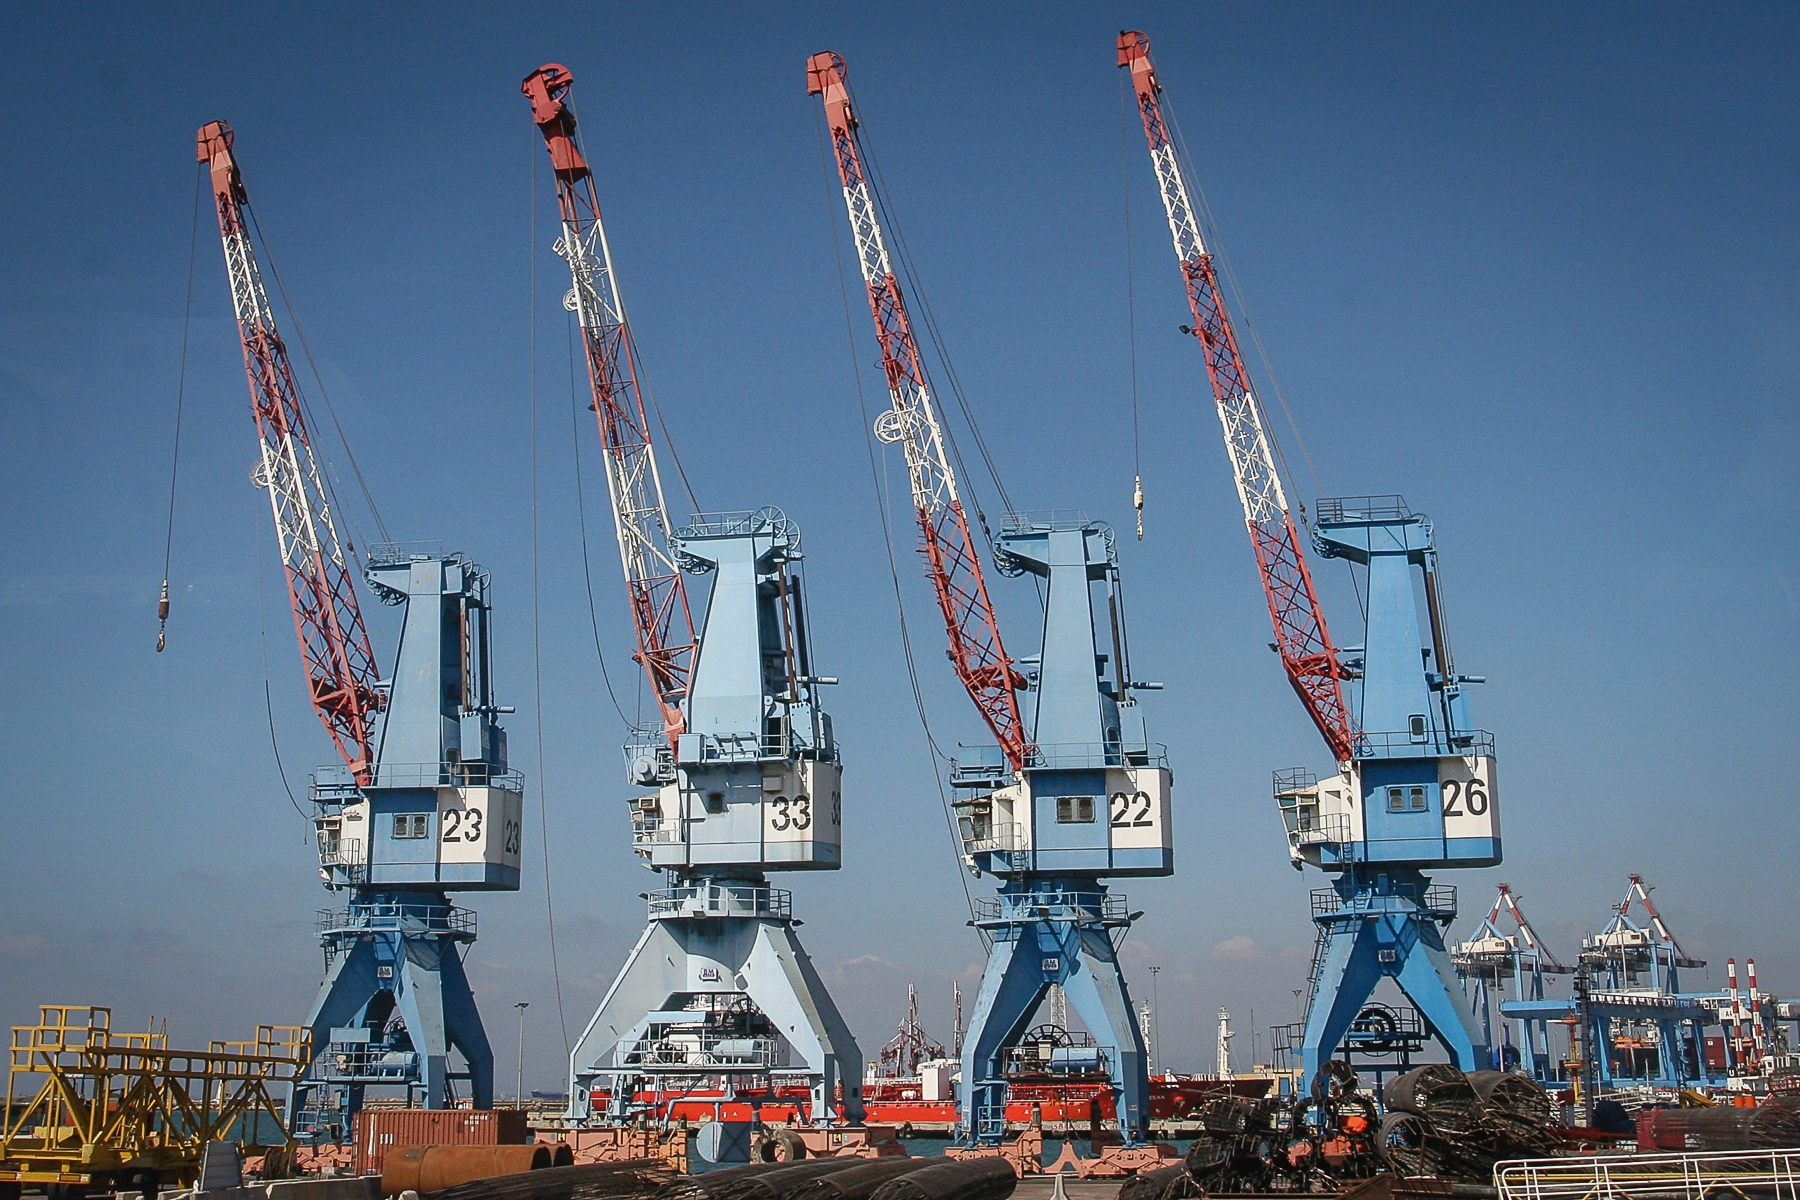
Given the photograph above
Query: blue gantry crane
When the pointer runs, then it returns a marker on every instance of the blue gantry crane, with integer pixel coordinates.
(423, 803)
(1072, 794)
(1415, 788)
(742, 776)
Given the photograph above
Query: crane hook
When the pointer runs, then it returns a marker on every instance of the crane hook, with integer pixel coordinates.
(1137, 502)
(162, 618)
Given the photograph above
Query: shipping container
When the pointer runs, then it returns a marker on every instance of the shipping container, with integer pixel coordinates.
(377, 1129)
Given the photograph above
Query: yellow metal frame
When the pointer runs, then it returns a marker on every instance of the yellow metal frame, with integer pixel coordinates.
(105, 1102)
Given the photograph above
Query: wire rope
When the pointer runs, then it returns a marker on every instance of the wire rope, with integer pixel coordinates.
(887, 535)
(1137, 456)
(587, 571)
(537, 655)
(903, 253)
(187, 313)
(268, 697)
(324, 393)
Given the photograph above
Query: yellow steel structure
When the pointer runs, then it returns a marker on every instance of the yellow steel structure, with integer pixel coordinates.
(89, 1107)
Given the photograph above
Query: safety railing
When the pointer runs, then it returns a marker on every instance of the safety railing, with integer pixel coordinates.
(1081, 907)
(403, 918)
(333, 785)
(655, 831)
(1043, 520)
(1076, 755)
(447, 774)
(767, 519)
(350, 1062)
(1339, 510)
(1002, 837)
(682, 1051)
(1466, 743)
(1331, 829)
(1437, 899)
(1736, 1173)
(1294, 779)
(397, 552)
(340, 852)
(720, 900)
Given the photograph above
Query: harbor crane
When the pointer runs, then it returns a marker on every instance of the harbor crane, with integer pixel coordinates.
(423, 803)
(1072, 793)
(1415, 788)
(742, 775)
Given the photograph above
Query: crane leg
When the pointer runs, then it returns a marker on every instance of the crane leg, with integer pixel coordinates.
(1028, 956)
(680, 959)
(1387, 928)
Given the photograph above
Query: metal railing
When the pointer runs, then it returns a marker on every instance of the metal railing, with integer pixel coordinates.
(399, 552)
(1002, 837)
(1337, 510)
(1067, 755)
(1465, 743)
(333, 785)
(720, 900)
(1437, 899)
(405, 918)
(679, 1052)
(1332, 829)
(1080, 907)
(655, 831)
(1043, 520)
(341, 852)
(349, 1062)
(1772, 1173)
(1294, 779)
(767, 519)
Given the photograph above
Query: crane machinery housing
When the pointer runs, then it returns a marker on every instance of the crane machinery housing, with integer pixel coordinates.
(423, 803)
(1415, 788)
(1073, 793)
(741, 778)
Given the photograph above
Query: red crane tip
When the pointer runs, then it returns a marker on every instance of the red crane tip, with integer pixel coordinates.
(206, 141)
(818, 69)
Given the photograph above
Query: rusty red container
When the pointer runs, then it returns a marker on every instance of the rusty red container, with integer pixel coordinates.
(380, 1129)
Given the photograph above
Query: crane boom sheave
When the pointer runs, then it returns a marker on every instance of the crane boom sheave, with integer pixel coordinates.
(653, 580)
(334, 643)
(1307, 653)
(945, 541)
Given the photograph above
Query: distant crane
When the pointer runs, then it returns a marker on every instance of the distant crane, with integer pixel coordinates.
(424, 803)
(1489, 958)
(1416, 787)
(742, 775)
(1072, 793)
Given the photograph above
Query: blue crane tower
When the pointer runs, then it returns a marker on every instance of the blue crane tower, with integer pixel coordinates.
(1420, 794)
(1072, 794)
(1415, 789)
(742, 778)
(424, 803)
(1091, 803)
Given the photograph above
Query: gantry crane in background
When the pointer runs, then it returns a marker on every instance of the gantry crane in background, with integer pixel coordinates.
(742, 774)
(1072, 794)
(1485, 962)
(1415, 788)
(423, 803)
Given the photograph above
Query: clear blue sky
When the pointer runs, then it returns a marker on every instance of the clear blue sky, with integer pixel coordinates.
(1532, 266)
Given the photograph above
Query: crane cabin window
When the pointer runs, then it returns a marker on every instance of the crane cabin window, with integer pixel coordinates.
(1075, 810)
(412, 825)
(1406, 799)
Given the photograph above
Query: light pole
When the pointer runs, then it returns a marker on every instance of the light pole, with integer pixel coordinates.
(519, 1080)
(1156, 1026)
